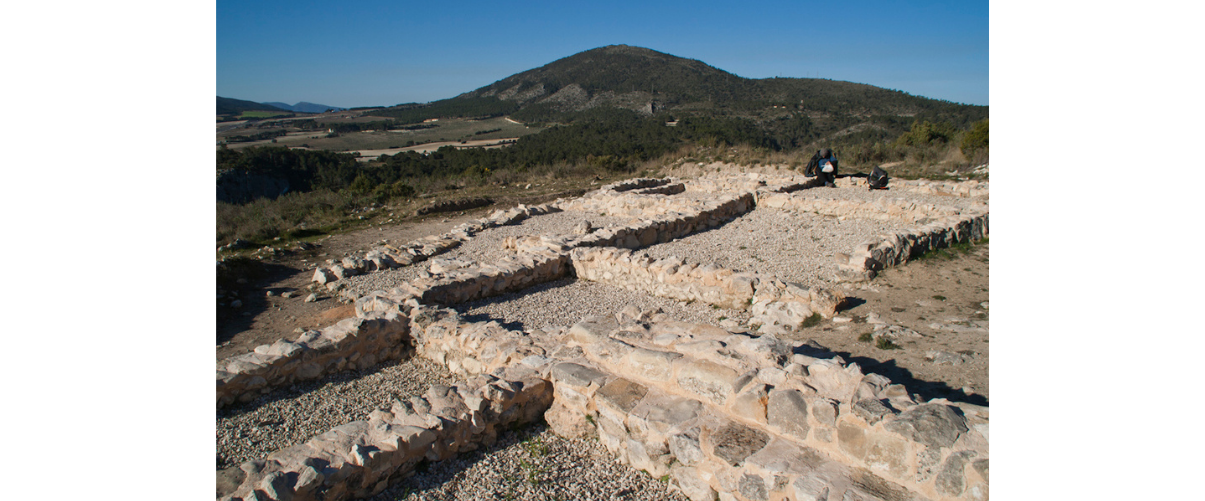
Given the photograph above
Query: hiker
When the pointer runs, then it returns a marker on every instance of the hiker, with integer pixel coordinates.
(824, 165)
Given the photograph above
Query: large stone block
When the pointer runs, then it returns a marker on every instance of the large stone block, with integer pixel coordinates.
(734, 442)
(660, 414)
(592, 329)
(707, 379)
(888, 454)
(788, 411)
(685, 446)
(692, 484)
(951, 480)
(578, 376)
(852, 439)
(621, 395)
(651, 364)
(753, 487)
(934, 425)
(872, 410)
(751, 403)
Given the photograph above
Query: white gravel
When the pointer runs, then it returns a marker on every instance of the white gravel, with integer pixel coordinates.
(293, 415)
(563, 303)
(531, 464)
(791, 247)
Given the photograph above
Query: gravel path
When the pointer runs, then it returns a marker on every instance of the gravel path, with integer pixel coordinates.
(563, 303)
(293, 415)
(791, 247)
(531, 464)
(486, 247)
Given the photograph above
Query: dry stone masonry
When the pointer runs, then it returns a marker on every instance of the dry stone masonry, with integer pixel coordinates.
(729, 413)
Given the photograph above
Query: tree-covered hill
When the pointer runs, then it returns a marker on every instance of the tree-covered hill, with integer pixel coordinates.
(230, 106)
(650, 82)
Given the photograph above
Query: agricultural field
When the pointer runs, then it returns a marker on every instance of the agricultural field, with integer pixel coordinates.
(264, 114)
(452, 131)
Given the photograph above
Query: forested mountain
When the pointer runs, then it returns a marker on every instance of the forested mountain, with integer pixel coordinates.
(229, 106)
(649, 82)
(304, 107)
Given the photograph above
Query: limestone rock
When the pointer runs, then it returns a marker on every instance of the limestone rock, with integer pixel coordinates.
(583, 228)
(872, 410)
(788, 411)
(323, 275)
(935, 425)
(951, 481)
(685, 446)
(735, 442)
(691, 484)
(753, 487)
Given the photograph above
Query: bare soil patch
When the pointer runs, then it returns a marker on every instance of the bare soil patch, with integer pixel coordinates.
(942, 299)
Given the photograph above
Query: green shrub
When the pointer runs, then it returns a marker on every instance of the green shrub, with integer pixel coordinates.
(976, 138)
(924, 132)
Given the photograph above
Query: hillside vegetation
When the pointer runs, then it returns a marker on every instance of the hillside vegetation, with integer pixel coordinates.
(228, 106)
(602, 114)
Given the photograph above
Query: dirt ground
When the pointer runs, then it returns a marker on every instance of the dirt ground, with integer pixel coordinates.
(263, 319)
(942, 299)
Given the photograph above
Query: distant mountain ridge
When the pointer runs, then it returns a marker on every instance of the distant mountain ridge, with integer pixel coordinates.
(650, 82)
(231, 106)
(304, 107)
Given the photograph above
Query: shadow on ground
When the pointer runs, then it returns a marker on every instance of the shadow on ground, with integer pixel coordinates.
(254, 274)
(927, 390)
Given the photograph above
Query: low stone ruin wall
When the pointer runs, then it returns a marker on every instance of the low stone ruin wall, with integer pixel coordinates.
(361, 458)
(672, 277)
(634, 184)
(776, 307)
(454, 205)
(868, 258)
(757, 419)
(485, 280)
(387, 257)
(353, 343)
(721, 413)
(669, 189)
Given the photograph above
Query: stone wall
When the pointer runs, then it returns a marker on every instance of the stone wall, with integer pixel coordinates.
(669, 189)
(757, 419)
(777, 307)
(722, 413)
(868, 258)
(387, 256)
(634, 184)
(354, 343)
(361, 458)
(748, 418)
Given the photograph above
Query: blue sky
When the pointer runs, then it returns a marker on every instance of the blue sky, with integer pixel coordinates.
(383, 53)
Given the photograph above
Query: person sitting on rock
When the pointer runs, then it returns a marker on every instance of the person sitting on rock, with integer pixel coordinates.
(824, 165)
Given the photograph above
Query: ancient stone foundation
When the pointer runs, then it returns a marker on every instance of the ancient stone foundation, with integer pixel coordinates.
(734, 415)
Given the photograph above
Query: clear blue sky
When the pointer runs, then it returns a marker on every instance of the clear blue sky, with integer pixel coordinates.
(368, 53)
